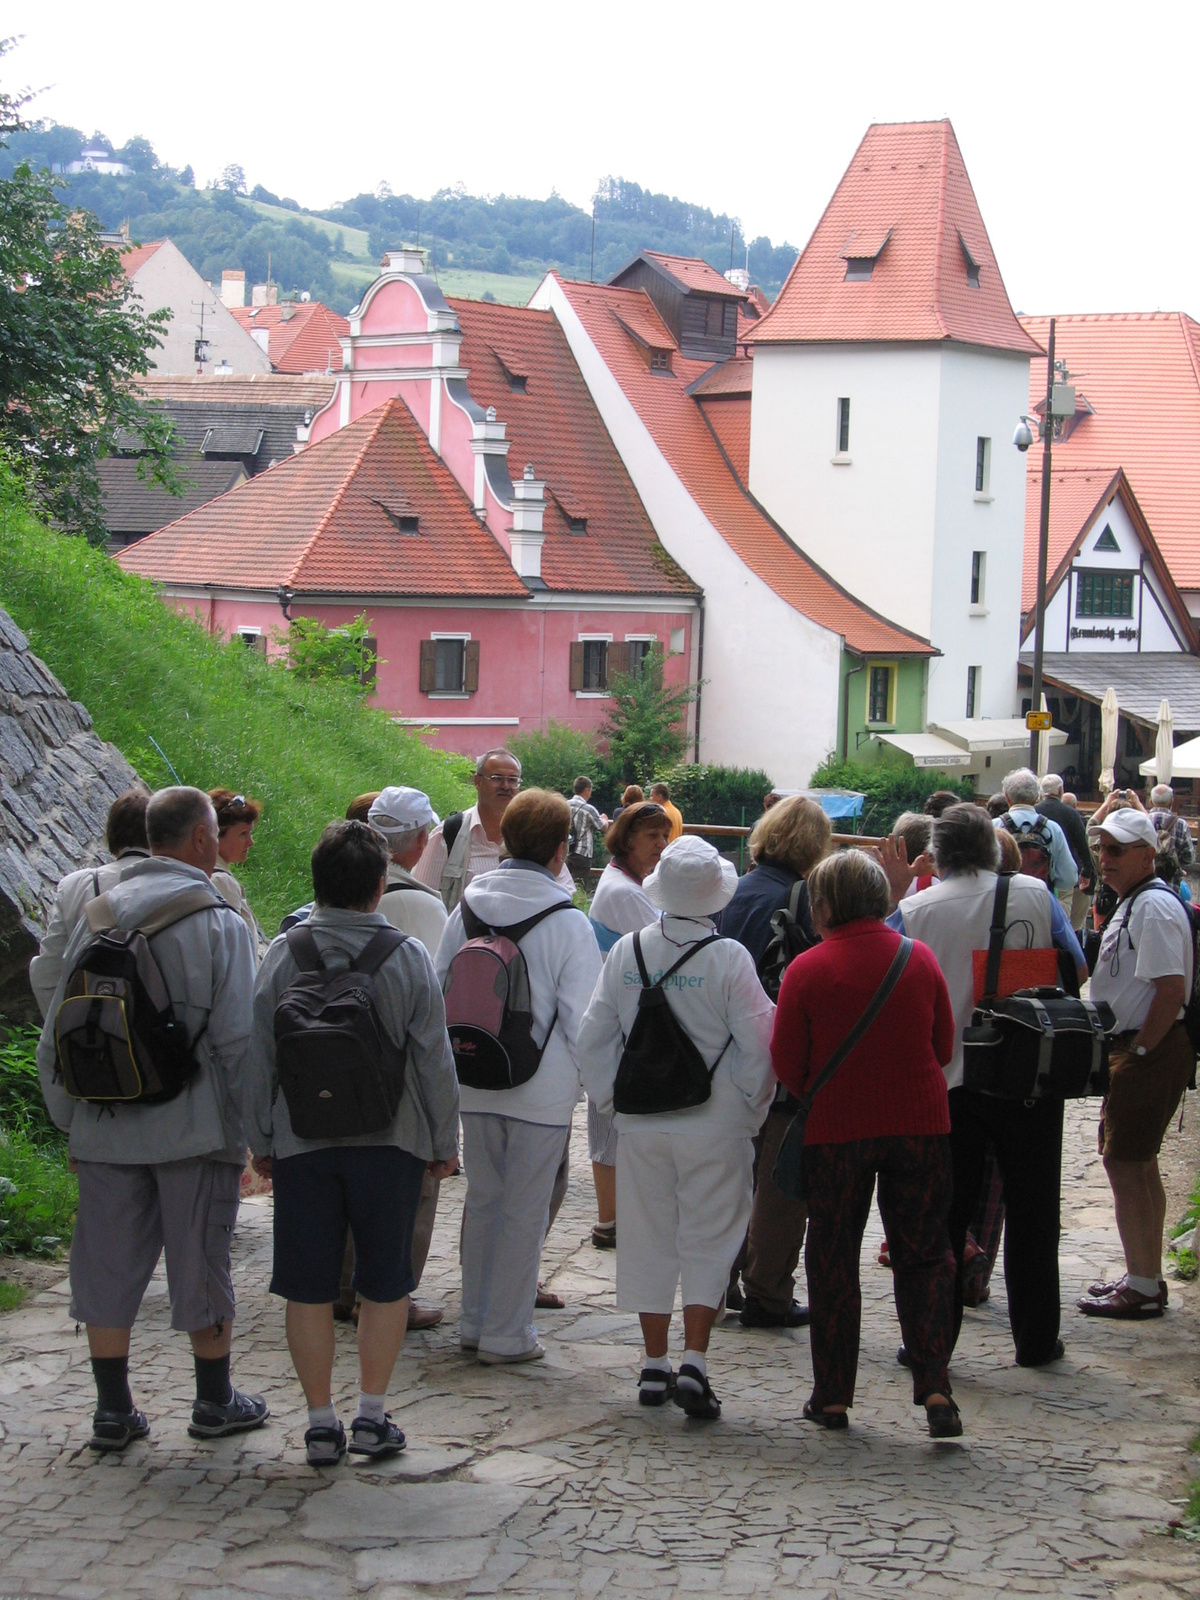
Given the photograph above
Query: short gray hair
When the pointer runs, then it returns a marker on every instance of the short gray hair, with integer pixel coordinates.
(916, 829)
(401, 839)
(1022, 787)
(848, 887)
(172, 813)
(1052, 786)
(1162, 795)
(964, 840)
(487, 755)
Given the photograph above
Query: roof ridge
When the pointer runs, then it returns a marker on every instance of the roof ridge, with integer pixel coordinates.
(1183, 319)
(941, 232)
(347, 477)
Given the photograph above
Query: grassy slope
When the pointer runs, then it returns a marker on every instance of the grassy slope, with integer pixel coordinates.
(221, 714)
(354, 240)
(510, 289)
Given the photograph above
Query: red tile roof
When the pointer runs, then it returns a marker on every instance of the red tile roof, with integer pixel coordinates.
(678, 426)
(555, 425)
(693, 273)
(239, 388)
(1141, 376)
(327, 521)
(304, 341)
(907, 182)
(729, 418)
(727, 377)
(136, 257)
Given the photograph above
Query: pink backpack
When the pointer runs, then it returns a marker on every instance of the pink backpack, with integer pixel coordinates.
(489, 1012)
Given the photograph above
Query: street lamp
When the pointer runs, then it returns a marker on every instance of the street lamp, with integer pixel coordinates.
(1060, 404)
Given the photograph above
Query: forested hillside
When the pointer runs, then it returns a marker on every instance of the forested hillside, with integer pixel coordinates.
(498, 245)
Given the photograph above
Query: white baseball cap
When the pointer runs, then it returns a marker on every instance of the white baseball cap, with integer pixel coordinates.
(691, 879)
(401, 810)
(1129, 826)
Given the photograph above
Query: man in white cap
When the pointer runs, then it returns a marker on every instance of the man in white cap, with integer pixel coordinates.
(1144, 972)
(404, 817)
(684, 1173)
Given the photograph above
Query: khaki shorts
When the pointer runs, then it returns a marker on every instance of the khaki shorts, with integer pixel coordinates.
(128, 1216)
(1144, 1094)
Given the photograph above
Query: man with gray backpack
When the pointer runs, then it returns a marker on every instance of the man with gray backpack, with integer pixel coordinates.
(141, 1063)
(351, 1095)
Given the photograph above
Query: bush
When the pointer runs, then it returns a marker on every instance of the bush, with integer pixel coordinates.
(22, 1109)
(39, 1196)
(555, 757)
(316, 653)
(889, 790)
(729, 797)
(222, 713)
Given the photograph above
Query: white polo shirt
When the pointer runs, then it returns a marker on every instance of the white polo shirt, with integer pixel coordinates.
(1157, 943)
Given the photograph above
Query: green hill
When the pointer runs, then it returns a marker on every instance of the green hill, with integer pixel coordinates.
(221, 714)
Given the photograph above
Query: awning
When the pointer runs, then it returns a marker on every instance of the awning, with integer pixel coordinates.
(837, 804)
(1185, 763)
(1141, 680)
(984, 735)
(927, 749)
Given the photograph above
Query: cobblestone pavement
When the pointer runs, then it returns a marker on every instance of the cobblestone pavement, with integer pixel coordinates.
(549, 1480)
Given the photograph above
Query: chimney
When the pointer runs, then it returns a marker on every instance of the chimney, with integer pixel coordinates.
(739, 278)
(406, 260)
(264, 294)
(528, 508)
(287, 311)
(233, 289)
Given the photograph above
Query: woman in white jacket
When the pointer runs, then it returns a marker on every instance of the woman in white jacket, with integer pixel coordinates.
(684, 1178)
(513, 1138)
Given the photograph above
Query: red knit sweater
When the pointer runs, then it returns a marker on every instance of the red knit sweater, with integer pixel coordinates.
(892, 1083)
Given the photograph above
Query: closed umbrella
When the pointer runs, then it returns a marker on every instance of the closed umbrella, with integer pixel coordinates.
(1164, 744)
(1109, 712)
(1043, 747)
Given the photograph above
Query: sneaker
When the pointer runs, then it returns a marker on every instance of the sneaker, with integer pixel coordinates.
(1122, 1302)
(1097, 1291)
(604, 1235)
(325, 1447)
(422, 1317)
(113, 1430)
(469, 1347)
(368, 1438)
(756, 1315)
(656, 1387)
(693, 1394)
(499, 1358)
(239, 1414)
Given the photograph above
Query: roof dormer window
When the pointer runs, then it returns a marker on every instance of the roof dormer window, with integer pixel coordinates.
(970, 262)
(577, 525)
(862, 250)
(409, 523)
(660, 359)
(859, 268)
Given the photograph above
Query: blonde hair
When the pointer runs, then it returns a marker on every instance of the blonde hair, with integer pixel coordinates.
(534, 824)
(848, 887)
(794, 834)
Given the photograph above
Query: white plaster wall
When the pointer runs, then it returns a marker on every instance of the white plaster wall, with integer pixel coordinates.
(982, 393)
(869, 523)
(771, 692)
(169, 279)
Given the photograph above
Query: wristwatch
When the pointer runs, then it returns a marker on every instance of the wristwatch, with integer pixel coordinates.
(1139, 1049)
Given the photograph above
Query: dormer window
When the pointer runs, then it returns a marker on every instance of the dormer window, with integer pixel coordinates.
(714, 319)
(660, 359)
(862, 250)
(514, 374)
(409, 523)
(859, 268)
(577, 525)
(401, 516)
(970, 262)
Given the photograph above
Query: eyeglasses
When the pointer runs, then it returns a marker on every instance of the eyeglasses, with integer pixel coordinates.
(507, 780)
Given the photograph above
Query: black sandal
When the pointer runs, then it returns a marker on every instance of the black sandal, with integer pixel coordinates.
(825, 1419)
(944, 1421)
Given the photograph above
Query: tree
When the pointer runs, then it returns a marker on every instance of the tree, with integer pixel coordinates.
(233, 178)
(644, 729)
(72, 345)
(315, 652)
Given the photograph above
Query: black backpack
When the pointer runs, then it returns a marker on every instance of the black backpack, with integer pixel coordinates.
(341, 1075)
(788, 940)
(117, 1039)
(1036, 843)
(660, 1068)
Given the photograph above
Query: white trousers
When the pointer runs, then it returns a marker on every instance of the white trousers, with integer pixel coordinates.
(511, 1169)
(602, 1136)
(683, 1205)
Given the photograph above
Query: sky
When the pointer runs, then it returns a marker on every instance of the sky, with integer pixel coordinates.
(1078, 124)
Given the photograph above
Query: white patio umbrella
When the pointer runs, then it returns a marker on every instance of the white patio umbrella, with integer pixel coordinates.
(1164, 744)
(1109, 712)
(1043, 747)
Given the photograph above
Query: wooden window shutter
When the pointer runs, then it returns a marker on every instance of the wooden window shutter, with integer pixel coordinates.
(372, 644)
(577, 664)
(471, 666)
(620, 659)
(428, 680)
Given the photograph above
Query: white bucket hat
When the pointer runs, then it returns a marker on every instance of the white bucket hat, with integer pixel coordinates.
(691, 879)
(401, 810)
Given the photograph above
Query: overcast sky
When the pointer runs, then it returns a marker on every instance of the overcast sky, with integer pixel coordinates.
(1077, 123)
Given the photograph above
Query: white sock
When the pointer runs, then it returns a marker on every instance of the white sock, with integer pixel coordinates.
(322, 1417)
(693, 1358)
(657, 1364)
(372, 1406)
(1142, 1285)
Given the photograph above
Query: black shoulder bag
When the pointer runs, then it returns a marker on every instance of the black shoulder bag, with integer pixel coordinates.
(789, 1164)
(661, 1069)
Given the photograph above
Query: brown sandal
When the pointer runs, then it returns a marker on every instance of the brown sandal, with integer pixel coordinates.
(547, 1300)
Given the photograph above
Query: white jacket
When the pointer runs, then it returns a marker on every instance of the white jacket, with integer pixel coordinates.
(74, 893)
(563, 963)
(717, 997)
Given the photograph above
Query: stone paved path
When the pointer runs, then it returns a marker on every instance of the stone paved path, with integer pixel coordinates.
(549, 1480)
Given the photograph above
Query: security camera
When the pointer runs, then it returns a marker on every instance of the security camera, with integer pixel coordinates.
(1023, 437)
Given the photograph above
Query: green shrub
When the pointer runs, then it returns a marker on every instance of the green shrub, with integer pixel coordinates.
(11, 1295)
(729, 797)
(221, 713)
(316, 653)
(644, 727)
(554, 757)
(22, 1108)
(38, 1196)
(889, 790)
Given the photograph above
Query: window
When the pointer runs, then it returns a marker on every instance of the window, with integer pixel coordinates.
(660, 359)
(983, 465)
(677, 638)
(859, 268)
(843, 426)
(978, 575)
(449, 664)
(714, 319)
(636, 651)
(590, 664)
(1107, 541)
(970, 263)
(974, 678)
(881, 693)
(1104, 594)
(253, 639)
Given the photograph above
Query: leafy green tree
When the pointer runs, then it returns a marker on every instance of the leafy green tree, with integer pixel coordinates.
(554, 756)
(645, 728)
(315, 652)
(72, 345)
(233, 179)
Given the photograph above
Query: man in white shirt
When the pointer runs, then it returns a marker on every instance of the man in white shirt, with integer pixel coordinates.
(1144, 972)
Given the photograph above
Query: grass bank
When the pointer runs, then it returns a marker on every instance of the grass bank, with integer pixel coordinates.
(220, 712)
(38, 1194)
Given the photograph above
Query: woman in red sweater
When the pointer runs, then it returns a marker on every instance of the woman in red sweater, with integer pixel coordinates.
(883, 1114)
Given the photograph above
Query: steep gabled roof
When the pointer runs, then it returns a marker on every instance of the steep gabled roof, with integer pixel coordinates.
(688, 273)
(679, 428)
(905, 203)
(136, 257)
(330, 521)
(554, 424)
(1140, 376)
(305, 339)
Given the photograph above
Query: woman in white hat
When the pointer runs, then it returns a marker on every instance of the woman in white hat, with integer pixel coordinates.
(684, 1176)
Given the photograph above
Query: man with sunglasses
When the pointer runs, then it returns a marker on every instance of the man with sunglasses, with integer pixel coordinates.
(1144, 971)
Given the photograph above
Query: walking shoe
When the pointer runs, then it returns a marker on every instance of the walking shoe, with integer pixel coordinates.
(903, 1357)
(735, 1300)
(547, 1300)
(835, 1420)
(239, 1414)
(501, 1358)
(656, 1387)
(113, 1430)
(421, 1317)
(1123, 1302)
(325, 1447)
(1096, 1291)
(756, 1315)
(1058, 1352)
(469, 1347)
(884, 1257)
(693, 1393)
(604, 1235)
(368, 1438)
(944, 1421)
